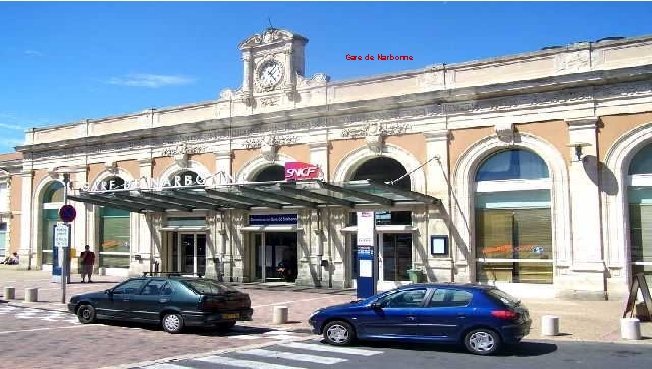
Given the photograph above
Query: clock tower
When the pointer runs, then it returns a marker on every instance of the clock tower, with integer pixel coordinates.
(273, 61)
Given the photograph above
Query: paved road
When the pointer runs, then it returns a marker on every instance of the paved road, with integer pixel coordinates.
(313, 354)
(38, 338)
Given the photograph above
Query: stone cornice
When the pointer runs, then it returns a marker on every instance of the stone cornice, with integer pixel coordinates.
(579, 87)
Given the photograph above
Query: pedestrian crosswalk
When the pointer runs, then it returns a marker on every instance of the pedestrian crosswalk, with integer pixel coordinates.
(16, 312)
(284, 355)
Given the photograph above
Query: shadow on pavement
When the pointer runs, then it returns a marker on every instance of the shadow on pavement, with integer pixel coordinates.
(200, 331)
(524, 349)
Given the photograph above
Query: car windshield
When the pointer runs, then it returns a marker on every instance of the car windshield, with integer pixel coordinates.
(504, 297)
(208, 286)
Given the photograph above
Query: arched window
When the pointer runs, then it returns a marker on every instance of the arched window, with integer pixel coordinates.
(640, 212)
(395, 248)
(114, 231)
(270, 173)
(52, 201)
(513, 229)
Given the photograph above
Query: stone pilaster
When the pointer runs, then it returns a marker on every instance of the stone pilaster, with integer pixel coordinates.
(437, 219)
(28, 244)
(587, 264)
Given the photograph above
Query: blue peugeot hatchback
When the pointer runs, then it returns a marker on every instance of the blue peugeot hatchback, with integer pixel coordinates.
(483, 318)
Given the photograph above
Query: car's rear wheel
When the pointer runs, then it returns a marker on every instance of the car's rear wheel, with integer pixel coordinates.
(172, 323)
(482, 341)
(339, 333)
(86, 314)
(225, 326)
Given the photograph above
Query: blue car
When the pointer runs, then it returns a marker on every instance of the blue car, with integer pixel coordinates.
(483, 318)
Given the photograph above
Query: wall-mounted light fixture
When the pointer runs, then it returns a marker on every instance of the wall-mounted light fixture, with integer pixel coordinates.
(579, 155)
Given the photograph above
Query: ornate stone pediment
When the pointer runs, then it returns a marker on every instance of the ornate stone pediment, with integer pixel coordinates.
(269, 36)
(318, 79)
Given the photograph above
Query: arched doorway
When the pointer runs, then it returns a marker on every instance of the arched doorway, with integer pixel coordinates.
(513, 232)
(639, 194)
(275, 248)
(394, 246)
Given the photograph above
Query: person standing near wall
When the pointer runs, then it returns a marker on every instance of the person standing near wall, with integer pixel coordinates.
(87, 260)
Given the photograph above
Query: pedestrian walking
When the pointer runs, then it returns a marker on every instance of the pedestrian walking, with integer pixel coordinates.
(87, 259)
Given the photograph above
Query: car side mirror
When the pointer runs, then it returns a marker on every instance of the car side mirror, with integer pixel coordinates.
(108, 292)
(376, 305)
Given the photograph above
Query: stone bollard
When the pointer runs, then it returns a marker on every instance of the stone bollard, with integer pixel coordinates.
(31, 294)
(101, 271)
(10, 293)
(630, 329)
(280, 315)
(549, 325)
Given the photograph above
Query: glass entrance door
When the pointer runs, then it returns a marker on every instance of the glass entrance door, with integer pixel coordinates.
(275, 256)
(189, 253)
(396, 256)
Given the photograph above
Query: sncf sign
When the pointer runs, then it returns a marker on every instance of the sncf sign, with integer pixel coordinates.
(297, 171)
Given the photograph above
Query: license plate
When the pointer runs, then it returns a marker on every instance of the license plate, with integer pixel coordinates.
(230, 316)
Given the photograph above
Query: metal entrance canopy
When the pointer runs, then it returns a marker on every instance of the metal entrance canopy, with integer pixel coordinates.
(266, 195)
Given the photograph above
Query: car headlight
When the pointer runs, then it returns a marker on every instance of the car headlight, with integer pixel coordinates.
(314, 313)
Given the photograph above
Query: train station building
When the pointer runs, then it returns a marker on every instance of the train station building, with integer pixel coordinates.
(532, 172)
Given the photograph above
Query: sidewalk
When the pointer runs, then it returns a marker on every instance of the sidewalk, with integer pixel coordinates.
(579, 320)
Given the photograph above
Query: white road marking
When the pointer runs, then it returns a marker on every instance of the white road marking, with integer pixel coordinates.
(329, 348)
(243, 363)
(42, 329)
(166, 366)
(293, 356)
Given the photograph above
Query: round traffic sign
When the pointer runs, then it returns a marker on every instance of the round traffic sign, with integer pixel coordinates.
(67, 213)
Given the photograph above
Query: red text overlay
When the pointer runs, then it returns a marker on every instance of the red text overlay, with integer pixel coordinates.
(381, 57)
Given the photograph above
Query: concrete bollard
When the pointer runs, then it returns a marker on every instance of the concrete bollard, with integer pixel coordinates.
(630, 329)
(101, 271)
(549, 325)
(10, 293)
(280, 315)
(31, 294)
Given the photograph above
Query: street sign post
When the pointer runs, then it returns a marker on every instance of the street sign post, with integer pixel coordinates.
(62, 244)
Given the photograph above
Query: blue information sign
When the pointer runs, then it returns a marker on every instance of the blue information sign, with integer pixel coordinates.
(270, 219)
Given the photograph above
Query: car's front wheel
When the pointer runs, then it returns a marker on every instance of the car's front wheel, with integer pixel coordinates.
(172, 323)
(482, 341)
(339, 333)
(86, 314)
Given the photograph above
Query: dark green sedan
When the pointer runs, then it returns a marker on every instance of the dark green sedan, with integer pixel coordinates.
(173, 302)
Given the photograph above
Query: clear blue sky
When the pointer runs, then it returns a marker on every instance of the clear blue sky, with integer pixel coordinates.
(64, 62)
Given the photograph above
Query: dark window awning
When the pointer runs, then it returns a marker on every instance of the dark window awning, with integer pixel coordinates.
(264, 195)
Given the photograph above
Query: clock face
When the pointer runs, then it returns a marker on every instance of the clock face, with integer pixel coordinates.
(269, 74)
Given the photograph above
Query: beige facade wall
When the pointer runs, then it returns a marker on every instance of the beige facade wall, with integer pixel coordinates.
(415, 144)
(298, 152)
(39, 175)
(160, 165)
(94, 170)
(16, 193)
(614, 126)
(242, 157)
(206, 159)
(554, 132)
(462, 139)
(130, 166)
(14, 235)
(339, 150)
